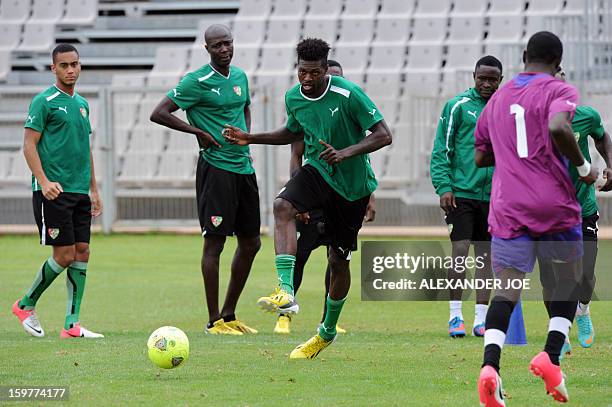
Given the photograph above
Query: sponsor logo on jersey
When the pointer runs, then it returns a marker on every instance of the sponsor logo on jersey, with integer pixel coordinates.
(217, 91)
(333, 111)
(238, 90)
(373, 112)
(472, 113)
(63, 109)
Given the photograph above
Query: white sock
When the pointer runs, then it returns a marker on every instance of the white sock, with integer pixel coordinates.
(582, 309)
(494, 337)
(560, 324)
(481, 313)
(455, 310)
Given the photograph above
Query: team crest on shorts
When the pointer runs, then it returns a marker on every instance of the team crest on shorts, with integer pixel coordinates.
(53, 233)
(238, 90)
(450, 228)
(83, 112)
(216, 220)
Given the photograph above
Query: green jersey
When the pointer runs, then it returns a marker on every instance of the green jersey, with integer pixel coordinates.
(64, 150)
(587, 122)
(211, 101)
(340, 117)
(452, 165)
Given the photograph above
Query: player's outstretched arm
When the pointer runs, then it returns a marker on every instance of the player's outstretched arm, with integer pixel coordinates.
(162, 114)
(50, 190)
(380, 137)
(234, 135)
(560, 128)
(604, 147)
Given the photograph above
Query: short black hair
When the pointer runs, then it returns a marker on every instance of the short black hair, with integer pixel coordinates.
(63, 48)
(489, 60)
(544, 47)
(313, 49)
(333, 62)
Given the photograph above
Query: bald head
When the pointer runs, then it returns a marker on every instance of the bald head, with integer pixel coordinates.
(216, 31)
(219, 45)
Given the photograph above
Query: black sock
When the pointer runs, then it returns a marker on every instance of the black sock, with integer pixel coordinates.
(498, 317)
(229, 317)
(554, 344)
(492, 353)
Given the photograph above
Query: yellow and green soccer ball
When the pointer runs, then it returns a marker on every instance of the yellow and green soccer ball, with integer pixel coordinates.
(168, 347)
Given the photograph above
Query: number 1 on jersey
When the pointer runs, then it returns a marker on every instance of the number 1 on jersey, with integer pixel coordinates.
(521, 130)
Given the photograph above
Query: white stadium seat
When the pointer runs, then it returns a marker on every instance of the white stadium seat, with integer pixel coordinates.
(10, 34)
(575, 7)
(388, 56)
(245, 58)
(249, 31)
(360, 8)
(122, 80)
(289, 8)
(506, 6)
(321, 27)
(432, 7)
(356, 29)
(388, 108)
(147, 139)
(163, 80)
(179, 141)
(277, 58)
(429, 29)
(466, 28)
(14, 10)
(19, 171)
(463, 55)
(5, 64)
(425, 56)
(283, 30)
(351, 56)
(475, 7)
(47, 10)
(392, 29)
(383, 82)
(544, 7)
(38, 37)
(325, 8)
(170, 60)
(177, 166)
(5, 163)
(199, 57)
(505, 28)
(138, 167)
(80, 12)
(399, 8)
(121, 140)
(254, 8)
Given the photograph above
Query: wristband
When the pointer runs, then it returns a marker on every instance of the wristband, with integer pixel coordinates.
(584, 169)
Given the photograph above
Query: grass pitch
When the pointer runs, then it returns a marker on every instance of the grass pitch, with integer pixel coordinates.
(395, 353)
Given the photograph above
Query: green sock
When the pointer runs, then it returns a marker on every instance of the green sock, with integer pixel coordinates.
(327, 330)
(47, 273)
(75, 283)
(284, 267)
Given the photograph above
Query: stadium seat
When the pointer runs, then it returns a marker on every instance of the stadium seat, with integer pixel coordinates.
(199, 57)
(49, 11)
(325, 8)
(5, 64)
(398, 8)
(177, 166)
(162, 80)
(544, 7)
(378, 161)
(505, 28)
(123, 80)
(80, 12)
(254, 8)
(138, 167)
(147, 139)
(277, 58)
(125, 109)
(576, 7)
(429, 29)
(170, 61)
(432, 7)
(536, 23)
(179, 141)
(245, 57)
(383, 83)
(356, 29)
(425, 56)
(289, 8)
(360, 8)
(466, 28)
(390, 28)
(258, 160)
(471, 7)
(397, 174)
(388, 107)
(249, 31)
(352, 57)
(283, 30)
(463, 55)
(37, 37)
(19, 171)
(387, 56)
(511, 55)
(14, 10)
(507, 7)
(5, 163)
(146, 106)
(321, 27)
(10, 35)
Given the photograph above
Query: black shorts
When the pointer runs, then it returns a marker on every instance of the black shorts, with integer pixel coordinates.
(312, 235)
(469, 221)
(228, 203)
(64, 221)
(307, 190)
(589, 228)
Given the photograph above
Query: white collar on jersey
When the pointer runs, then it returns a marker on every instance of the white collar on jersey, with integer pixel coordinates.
(229, 73)
(323, 94)
(67, 94)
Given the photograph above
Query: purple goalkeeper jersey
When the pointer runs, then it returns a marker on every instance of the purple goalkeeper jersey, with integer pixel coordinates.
(532, 192)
